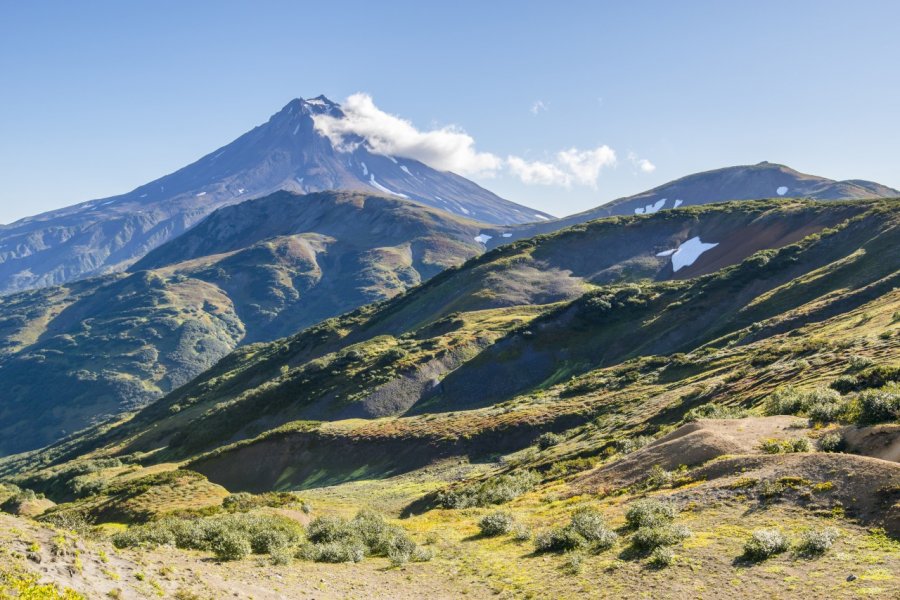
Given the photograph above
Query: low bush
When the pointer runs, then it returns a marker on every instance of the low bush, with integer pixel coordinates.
(649, 513)
(589, 524)
(496, 523)
(229, 537)
(776, 446)
(655, 536)
(832, 442)
(521, 533)
(586, 529)
(764, 543)
(821, 404)
(879, 406)
(548, 440)
(230, 545)
(561, 539)
(844, 384)
(333, 539)
(715, 411)
(817, 541)
(661, 557)
(497, 490)
(629, 445)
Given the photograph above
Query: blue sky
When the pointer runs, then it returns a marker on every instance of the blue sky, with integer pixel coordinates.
(99, 97)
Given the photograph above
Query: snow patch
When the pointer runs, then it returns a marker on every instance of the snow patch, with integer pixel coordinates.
(143, 195)
(507, 235)
(378, 186)
(687, 253)
(677, 204)
(200, 194)
(541, 217)
(405, 170)
(364, 168)
(639, 211)
(296, 129)
(241, 190)
(482, 238)
(393, 160)
(781, 191)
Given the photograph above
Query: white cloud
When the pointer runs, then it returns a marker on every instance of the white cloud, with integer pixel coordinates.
(447, 148)
(452, 149)
(569, 166)
(644, 165)
(585, 165)
(537, 107)
(537, 172)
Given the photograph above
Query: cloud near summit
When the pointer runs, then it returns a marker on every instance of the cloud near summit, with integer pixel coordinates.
(452, 149)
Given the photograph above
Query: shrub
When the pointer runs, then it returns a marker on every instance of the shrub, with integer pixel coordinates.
(801, 445)
(496, 523)
(322, 530)
(497, 490)
(333, 539)
(815, 542)
(589, 524)
(521, 533)
(764, 543)
(629, 445)
(832, 442)
(652, 537)
(336, 552)
(657, 478)
(263, 533)
(775, 446)
(231, 545)
(878, 376)
(282, 555)
(823, 402)
(858, 363)
(879, 406)
(561, 539)
(661, 557)
(649, 513)
(548, 440)
(844, 384)
(715, 411)
(421, 554)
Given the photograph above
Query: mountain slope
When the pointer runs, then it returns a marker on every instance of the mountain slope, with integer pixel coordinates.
(485, 332)
(285, 153)
(255, 271)
(746, 182)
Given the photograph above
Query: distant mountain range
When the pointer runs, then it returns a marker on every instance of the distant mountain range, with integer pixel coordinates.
(745, 182)
(285, 153)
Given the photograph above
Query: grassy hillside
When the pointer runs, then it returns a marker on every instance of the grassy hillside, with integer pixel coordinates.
(77, 354)
(731, 432)
(367, 364)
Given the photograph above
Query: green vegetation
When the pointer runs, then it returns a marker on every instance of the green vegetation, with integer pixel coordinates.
(333, 539)
(496, 523)
(814, 542)
(765, 543)
(586, 529)
(229, 537)
(497, 490)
